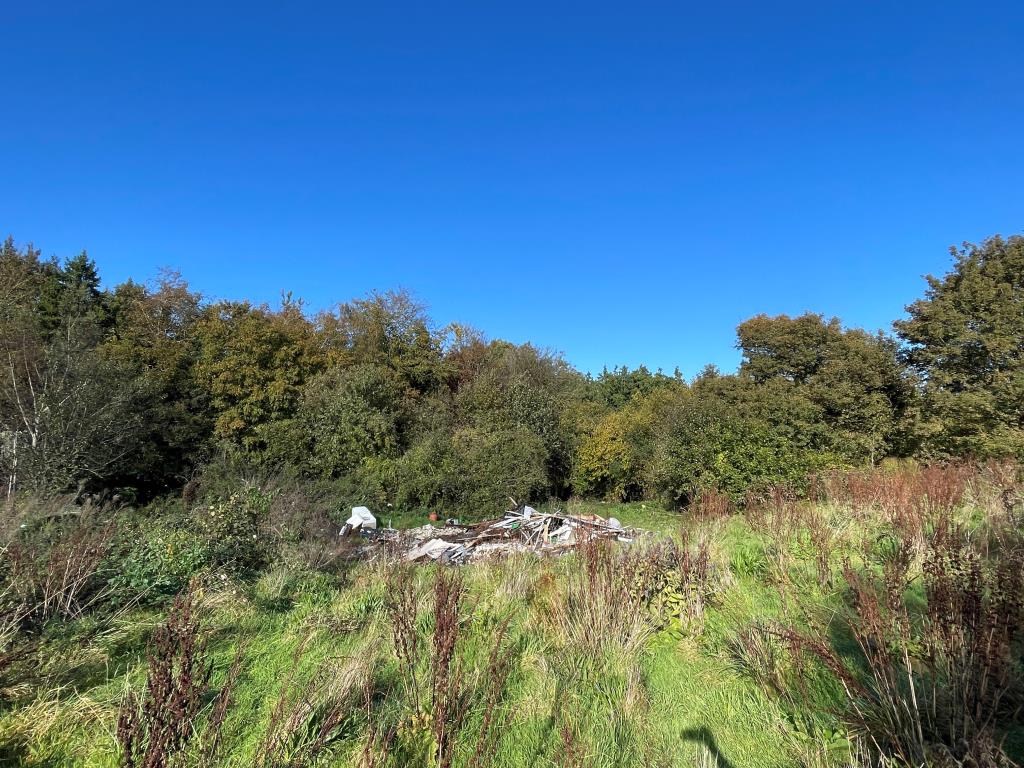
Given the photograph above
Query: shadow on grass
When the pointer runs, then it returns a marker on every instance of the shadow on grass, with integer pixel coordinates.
(18, 754)
(706, 738)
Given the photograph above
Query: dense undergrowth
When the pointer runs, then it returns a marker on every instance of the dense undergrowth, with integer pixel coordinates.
(874, 622)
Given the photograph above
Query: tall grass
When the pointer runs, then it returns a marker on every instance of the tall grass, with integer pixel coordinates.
(58, 578)
(936, 617)
(898, 627)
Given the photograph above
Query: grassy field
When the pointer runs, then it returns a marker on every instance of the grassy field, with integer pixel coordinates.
(552, 661)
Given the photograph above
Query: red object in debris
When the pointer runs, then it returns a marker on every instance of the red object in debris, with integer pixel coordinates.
(433, 517)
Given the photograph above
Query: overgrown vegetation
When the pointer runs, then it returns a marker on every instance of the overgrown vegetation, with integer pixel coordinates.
(877, 623)
(834, 574)
(136, 390)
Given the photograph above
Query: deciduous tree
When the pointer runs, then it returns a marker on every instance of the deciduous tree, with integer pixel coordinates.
(966, 341)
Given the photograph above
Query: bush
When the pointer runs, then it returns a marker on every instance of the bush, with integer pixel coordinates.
(607, 462)
(705, 446)
(350, 415)
(231, 530)
(159, 563)
(474, 472)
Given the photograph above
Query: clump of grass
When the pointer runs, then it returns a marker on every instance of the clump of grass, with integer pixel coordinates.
(603, 603)
(432, 653)
(214, 734)
(777, 515)
(711, 504)
(58, 579)
(823, 538)
(380, 738)
(571, 752)
(402, 607)
(311, 714)
(14, 648)
(499, 666)
(616, 599)
(931, 685)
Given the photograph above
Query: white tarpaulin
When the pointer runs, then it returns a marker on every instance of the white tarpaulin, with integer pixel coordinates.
(362, 518)
(432, 549)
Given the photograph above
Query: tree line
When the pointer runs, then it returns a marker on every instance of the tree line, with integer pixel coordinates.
(140, 389)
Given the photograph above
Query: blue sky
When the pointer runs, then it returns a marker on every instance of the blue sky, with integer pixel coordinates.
(624, 182)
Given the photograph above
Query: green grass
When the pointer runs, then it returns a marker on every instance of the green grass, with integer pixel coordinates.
(666, 706)
(683, 699)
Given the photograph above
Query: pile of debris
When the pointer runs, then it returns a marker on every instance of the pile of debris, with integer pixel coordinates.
(522, 530)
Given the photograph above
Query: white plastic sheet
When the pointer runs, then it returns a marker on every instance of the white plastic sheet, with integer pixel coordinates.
(362, 518)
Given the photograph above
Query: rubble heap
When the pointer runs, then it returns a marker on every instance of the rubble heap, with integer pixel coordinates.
(522, 530)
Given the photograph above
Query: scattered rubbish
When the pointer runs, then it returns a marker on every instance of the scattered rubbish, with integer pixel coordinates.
(362, 519)
(521, 530)
(432, 549)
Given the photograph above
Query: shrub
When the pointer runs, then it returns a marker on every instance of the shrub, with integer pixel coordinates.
(231, 530)
(706, 445)
(474, 471)
(160, 562)
(349, 415)
(607, 463)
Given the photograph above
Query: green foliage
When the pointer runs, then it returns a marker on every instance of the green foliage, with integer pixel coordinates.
(749, 558)
(231, 530)
(147, 389)
(350, 415)
(389, 329)
(86, 424)
(498, 465)
(158, 563)
(69, 416)
(605, 464)
(152, 339)
(614, 460)
(71, 306)
(135, 389)
(853, 380)
(252, 364)
(620, 386)
(473, 472)
(964, 341)
(707, 445)
(521, 388)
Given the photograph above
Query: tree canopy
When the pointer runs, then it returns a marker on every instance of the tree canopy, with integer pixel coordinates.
(138, 387)
(965, 340)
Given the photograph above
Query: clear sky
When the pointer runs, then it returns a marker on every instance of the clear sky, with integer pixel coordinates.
(624, 182)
